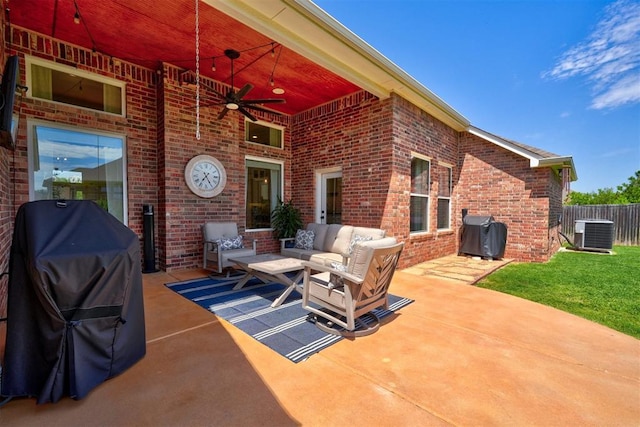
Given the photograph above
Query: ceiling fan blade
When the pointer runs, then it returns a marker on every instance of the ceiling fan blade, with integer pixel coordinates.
(264, 101)
(245, 89)
(222, 113)
(248, 114)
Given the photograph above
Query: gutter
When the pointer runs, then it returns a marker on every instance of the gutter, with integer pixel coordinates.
(535, 160)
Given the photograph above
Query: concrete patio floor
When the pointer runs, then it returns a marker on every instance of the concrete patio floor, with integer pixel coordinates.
(459, 355)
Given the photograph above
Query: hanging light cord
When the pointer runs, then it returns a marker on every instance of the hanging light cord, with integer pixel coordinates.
(197, 73)
(274, 66)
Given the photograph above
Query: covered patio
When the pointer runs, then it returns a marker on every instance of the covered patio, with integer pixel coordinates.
(459, 355)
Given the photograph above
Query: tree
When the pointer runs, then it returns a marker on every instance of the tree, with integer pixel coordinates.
(603, 196)
(631, 189)
(626, 193)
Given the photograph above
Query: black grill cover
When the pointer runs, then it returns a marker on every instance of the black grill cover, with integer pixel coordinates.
(482, 236)
(75, 314)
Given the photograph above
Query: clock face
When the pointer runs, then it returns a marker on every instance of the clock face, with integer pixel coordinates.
(205, 176)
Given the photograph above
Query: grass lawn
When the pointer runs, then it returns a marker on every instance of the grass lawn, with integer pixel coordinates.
(600, 287)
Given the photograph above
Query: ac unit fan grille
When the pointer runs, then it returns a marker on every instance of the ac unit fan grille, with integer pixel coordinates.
(598, 235)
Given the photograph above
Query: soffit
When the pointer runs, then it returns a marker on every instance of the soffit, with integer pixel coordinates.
(321, 60)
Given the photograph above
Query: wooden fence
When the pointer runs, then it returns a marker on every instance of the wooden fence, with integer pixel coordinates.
(626, 220)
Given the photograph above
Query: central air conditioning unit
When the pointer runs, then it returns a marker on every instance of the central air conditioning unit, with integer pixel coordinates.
(593, 234)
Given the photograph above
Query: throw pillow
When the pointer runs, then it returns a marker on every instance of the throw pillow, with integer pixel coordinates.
(231, 243)
(304, 239)
(357, 239)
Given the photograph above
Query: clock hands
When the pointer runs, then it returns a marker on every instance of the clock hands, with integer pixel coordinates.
(206, 178)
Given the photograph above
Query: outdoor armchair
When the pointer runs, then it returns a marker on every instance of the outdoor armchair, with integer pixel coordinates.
(342, 296)
(222, 242)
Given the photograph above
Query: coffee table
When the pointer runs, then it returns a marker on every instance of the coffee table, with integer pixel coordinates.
(271, 268)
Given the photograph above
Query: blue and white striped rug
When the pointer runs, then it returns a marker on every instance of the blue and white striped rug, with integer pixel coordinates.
(287, 329)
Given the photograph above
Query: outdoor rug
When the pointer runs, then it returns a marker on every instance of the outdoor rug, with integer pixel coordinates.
(287, 329)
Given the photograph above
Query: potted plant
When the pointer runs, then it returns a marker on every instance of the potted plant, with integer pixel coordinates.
(286, 219)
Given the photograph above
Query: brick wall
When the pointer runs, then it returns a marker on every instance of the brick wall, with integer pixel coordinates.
(138, 127)
(495, 181)
(417, 132)
(181, 213)
(372, 141)
(353, 133)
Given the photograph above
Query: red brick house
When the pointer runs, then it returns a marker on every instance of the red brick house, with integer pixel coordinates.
(358, 140)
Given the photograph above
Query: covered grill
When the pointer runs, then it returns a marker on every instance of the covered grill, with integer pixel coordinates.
(482, 236)
(75, 314)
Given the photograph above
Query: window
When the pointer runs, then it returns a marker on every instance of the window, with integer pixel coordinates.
(262, 133)
(444, 197)
(264, 188)
(419, 210)
(77, 165)
(68, 85)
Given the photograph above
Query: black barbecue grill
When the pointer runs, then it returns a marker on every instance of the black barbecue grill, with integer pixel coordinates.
(75, 315)
(482, 236)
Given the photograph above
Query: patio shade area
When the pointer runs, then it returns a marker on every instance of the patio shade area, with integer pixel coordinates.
(459, 355)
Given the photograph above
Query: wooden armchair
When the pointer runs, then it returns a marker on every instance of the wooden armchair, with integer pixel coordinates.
(343, 298)
(222, 242)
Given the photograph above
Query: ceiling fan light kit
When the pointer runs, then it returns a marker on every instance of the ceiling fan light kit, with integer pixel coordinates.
(235, 101)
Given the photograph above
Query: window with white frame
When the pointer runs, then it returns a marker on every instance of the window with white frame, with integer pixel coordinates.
(264, 189)
(72, 164)
(263, 133)
(445, 183)
(68, 85)
(420, 183)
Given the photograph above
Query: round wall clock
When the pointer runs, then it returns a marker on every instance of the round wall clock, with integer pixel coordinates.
(205, 176)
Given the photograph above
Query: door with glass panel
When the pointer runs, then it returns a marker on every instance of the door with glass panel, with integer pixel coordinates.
(330, 209)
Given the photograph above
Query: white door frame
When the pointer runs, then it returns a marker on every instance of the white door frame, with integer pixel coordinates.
(321, 176)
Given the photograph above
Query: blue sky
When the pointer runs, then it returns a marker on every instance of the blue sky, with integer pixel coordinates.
(563, 76)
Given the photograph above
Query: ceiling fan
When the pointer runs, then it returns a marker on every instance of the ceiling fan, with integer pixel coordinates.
(233, 100)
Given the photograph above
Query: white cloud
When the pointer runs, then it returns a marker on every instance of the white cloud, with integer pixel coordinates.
(624, 91)
(609, 58)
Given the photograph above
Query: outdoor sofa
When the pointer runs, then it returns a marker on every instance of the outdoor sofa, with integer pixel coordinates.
(329, 243)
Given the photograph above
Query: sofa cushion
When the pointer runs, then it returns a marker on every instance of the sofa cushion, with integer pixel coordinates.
(330, 236)
(304, 239)
(359, 260)
(320, 231)
(379, 243)
(325, 258)
(342, 240)
(375, 233)
(363, 251)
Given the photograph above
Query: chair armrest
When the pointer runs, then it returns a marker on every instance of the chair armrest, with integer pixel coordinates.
(283, 241)
(314, 266)
(254, 243)
(345, 258)
(213, 245)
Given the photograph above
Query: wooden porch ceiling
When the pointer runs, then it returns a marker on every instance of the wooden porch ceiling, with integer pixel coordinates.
(149, 32)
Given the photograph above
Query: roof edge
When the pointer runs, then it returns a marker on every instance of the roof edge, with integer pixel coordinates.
(311, 32)
(535, 160)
